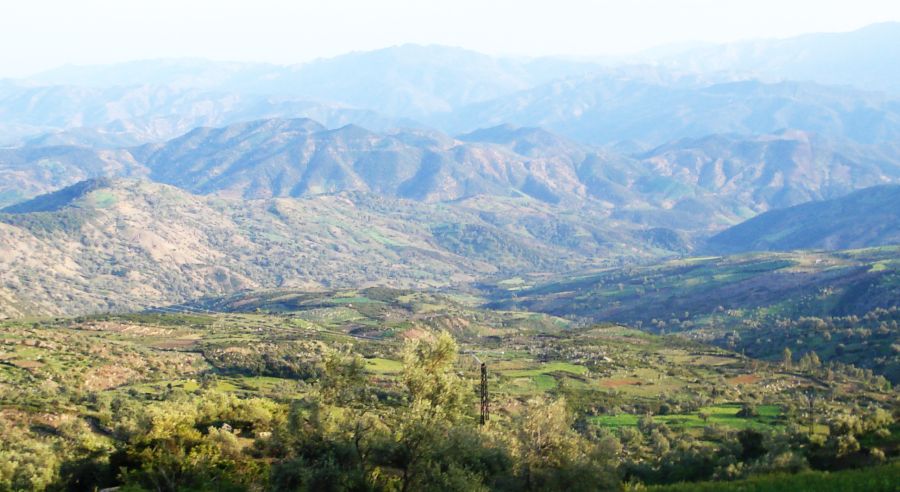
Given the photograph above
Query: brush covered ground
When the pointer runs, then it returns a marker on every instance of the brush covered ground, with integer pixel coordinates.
(114, 245)
(844, 306)
(377, 389)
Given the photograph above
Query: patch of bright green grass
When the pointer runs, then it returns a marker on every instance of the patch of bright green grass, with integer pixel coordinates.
(103, 199)
(547, 368)
(190, 386)
(620, 420)
(379, 238)
(544, 382)
(383, 366)
(723, 415)
(258, 383)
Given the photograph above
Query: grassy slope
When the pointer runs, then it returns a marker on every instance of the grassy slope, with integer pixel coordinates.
(612, 370)
(815, 283)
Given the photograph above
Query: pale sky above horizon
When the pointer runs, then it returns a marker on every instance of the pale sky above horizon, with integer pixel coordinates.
(38, 35)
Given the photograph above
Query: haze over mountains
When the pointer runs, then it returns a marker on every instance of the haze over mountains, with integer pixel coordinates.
(859, 58)
(454, 89)
(434, 165)
(603, 110)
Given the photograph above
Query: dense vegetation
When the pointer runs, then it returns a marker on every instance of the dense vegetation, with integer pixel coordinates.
(840, 307)
(377, 390)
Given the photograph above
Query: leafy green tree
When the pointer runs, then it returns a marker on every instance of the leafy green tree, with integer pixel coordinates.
(552, 456)
(25, 464)
(167, 451)
(437, 399)
(328, 440)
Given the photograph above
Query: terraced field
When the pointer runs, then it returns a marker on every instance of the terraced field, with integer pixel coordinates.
(725, 415)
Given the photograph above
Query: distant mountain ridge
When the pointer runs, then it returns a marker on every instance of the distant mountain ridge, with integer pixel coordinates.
(649, 101)
(300, 157)
(407, 80)
(860, 58)
(110, 117)
(27, 172)
(52, 202)
(604, 109)
(154, 100)
(864, 218)
(772, 171)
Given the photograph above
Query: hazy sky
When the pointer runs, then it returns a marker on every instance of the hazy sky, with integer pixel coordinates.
(40, 34)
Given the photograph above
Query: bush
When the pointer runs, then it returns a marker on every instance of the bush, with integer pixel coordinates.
(748, 411)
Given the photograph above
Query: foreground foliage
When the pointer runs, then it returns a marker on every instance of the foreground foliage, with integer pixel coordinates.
(377, 390)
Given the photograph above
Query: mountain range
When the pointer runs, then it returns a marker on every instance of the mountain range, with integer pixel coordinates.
(604, 110)
(430, 165)
(756, 87)
(252, 211)
(118, 116)
(857, 58)
(691, 184)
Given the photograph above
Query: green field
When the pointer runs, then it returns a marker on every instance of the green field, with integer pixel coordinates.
(546, 368)
(722, 415)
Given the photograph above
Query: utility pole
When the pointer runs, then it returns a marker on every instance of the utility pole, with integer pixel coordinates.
(812, 412)
(485, 399)
(485, 404)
